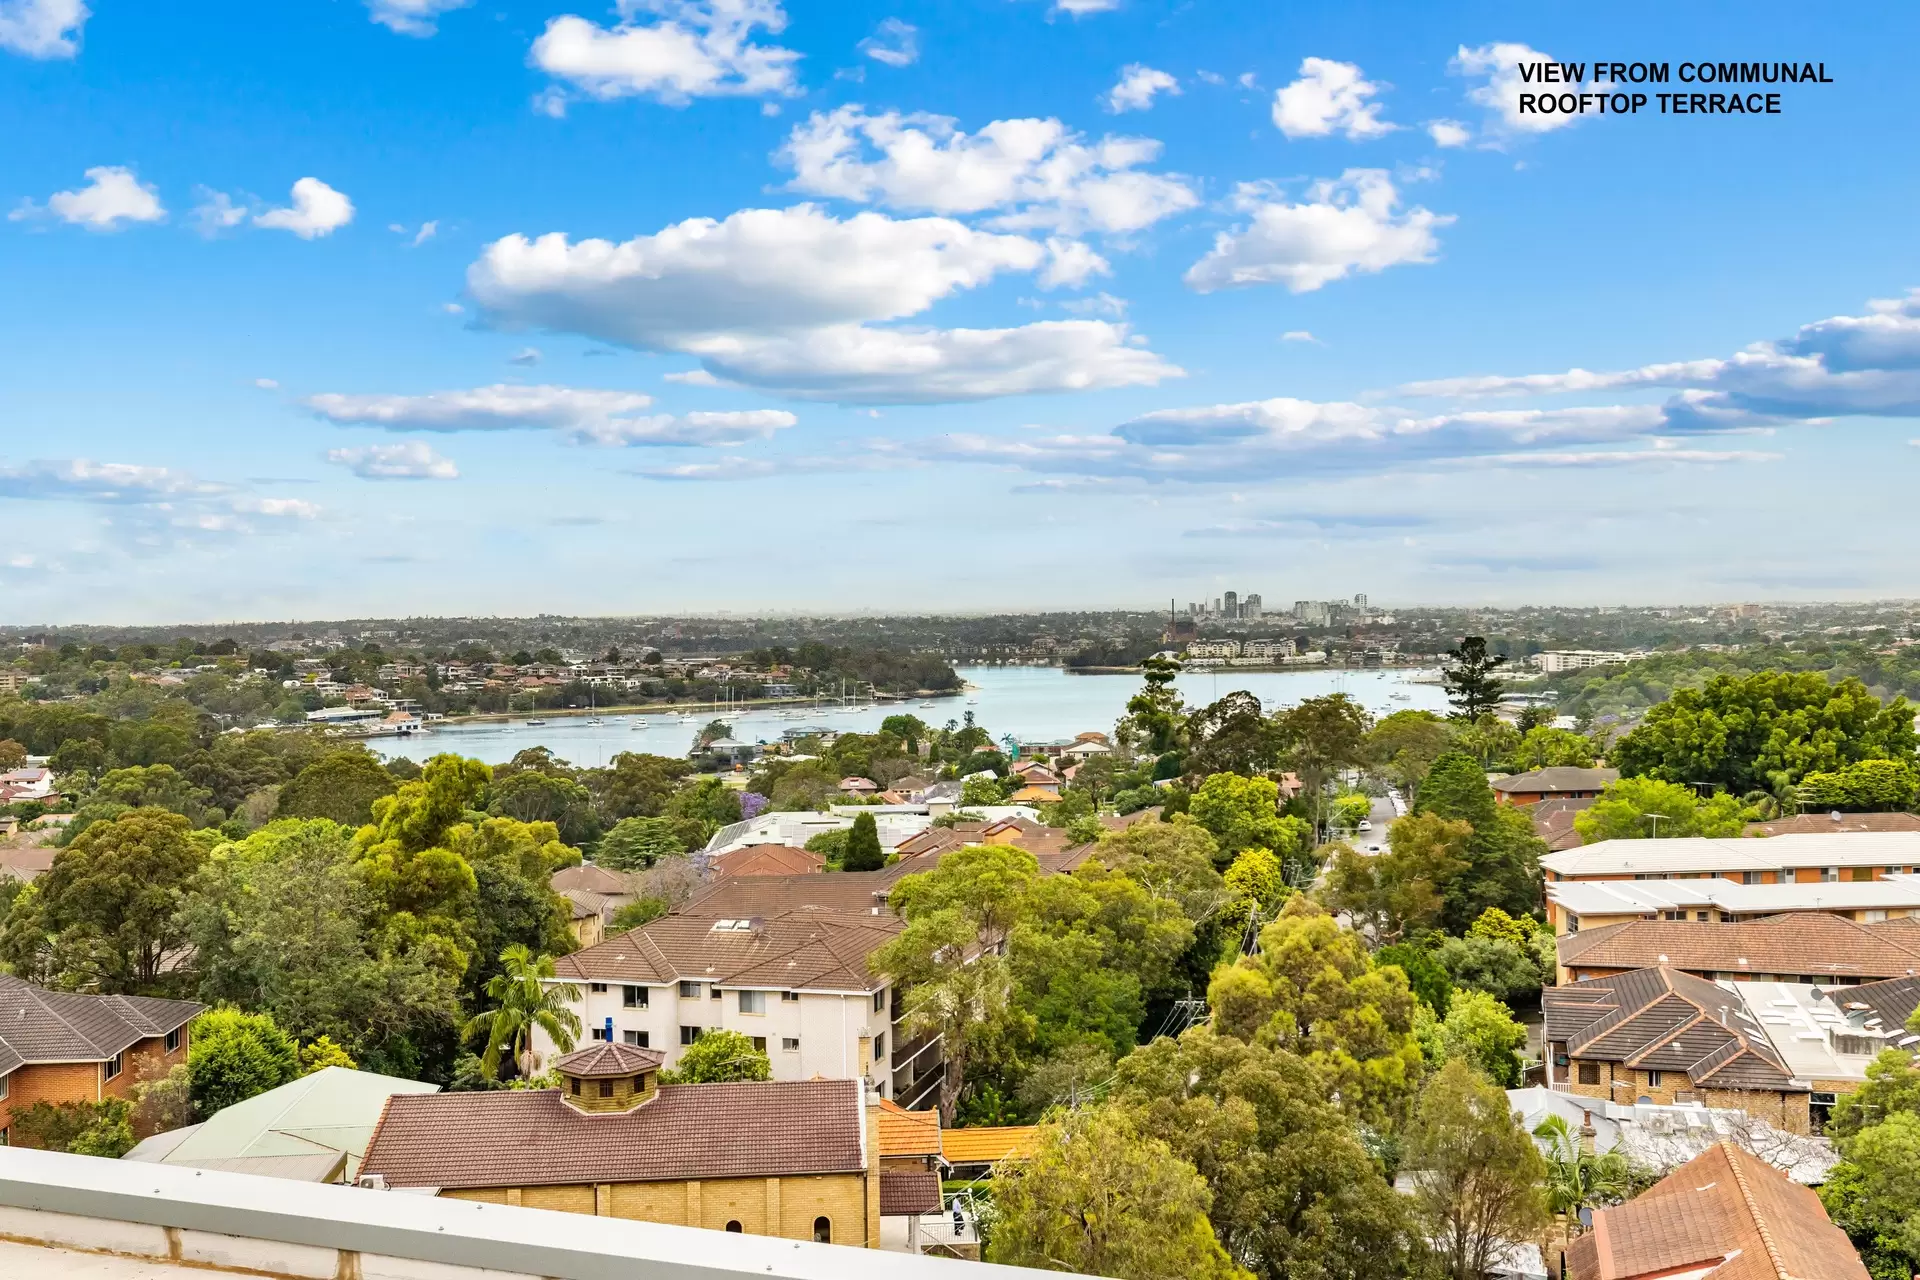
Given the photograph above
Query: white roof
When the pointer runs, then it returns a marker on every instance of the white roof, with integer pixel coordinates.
(1665, 1137)
(1800, 1021)
(1644, 897)
(1675, 855)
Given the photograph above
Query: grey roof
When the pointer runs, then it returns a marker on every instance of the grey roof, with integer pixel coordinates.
(61, 1026)
(1663, 1020)
(1557, 778)
(1692, 854)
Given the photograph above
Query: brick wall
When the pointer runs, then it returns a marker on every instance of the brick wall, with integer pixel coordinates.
(842, 1198)
(54, 1082)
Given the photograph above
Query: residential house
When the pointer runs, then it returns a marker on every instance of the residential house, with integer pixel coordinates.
(1662, 1138)
(796, 1159)
(1553, 821)
(29, 782)
(911, 1203)
(1574, 905)
(1804, 946)
(60, 1046)
(1557, 783)
(314, 1129)
(1803, 824)
(766, 860)
(1824, 858)
(858, 786)
(797, 983)
(972, 1152)
(1725, 1213)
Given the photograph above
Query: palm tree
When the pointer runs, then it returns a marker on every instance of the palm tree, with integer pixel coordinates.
(1577, 1178)
(524, 998)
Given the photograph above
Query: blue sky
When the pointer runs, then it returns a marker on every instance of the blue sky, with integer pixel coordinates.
(329, 308)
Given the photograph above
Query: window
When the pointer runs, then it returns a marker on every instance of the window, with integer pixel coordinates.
(597, 988)
(1701, 916)
(733, 1225)
(638, 1039)
(633, 997)
(879, 1046)
(689, 1034)
(573, 1085)
(6, 1084)
(1673, 915)
(790, 1044)
(689, 990)
(1589, 1073)
(1830, 875)
(597, 1033)
(1653, 1079)
(606, 1088)
(640, 1083)
(173, 1040)
(115, 1065)
(879, 1001)
(823, 1230)
(716, 991)
(790, 997)
(759, 1044)
(1749, 877)
(1820, 1110)
(753, 1002)
(1860, 875)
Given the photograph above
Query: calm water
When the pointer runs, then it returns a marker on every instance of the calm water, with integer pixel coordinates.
(1031, 703)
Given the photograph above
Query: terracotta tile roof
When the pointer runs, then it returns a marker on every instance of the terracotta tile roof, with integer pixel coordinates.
(61, 1026)
(1664, 1020)
(1125, 820)
(908, 1133)
(801, 949)
(1724, 1210)
(594, 880)
(1815, 943)
(987, 1144)
(526, 1138)
(1545, 782)
(1820, 823)
(609, 1058)
(586, 903)
(909, 1192)
(767, 860)
(1553, 821)
(842, 892)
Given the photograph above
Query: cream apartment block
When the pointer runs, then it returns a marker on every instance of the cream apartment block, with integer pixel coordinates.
(1821, 858)
(797, 983)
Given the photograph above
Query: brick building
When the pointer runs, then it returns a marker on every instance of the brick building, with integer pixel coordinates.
(59, 1046)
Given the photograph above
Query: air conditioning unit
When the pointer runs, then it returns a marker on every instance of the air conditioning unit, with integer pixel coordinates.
(371, 1181)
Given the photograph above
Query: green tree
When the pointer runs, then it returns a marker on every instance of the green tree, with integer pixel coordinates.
(523, 999)
(863, 846)
(341, 786)
(1502, 855)
(1469, 677)
(717, 1057)
(636, 785)
(1892, 1085)
(1637, 808)
(1156, 719)
(231, 1056)
(1543, 747)
(532, 796)
(639, 842)
(101, 1128)
(1402, 747)
(1403, 890)
(1244, 813)
(1873, 1194)
(636, 913)
(1425, 977)
(1477, 1175)
(323, 1053)
(1295, 1194)
(1480, 1031)
(1740, 728)
(105, 916)
(1503, 969)
(1231, 735)
(1865, 786)
(709, 802)
(1096, 1197)
(1319, 738)
(979, 791)
(1257, 882)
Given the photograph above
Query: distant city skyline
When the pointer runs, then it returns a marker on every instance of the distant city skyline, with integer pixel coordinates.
(361, 309)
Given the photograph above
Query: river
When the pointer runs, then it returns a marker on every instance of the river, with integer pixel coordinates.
(1031, 703)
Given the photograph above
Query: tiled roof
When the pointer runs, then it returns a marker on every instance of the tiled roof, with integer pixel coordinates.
(843, 892)
(1822, 824)
(1558, 778)
(609, 1058)
(909, 1192)
(801, 949)
(586, 903)
(1683, 855)
(908, 1133)
(767, 860)
(61, 1026)
(1892, 1001)
(1664, 1020)
(594, 880)
(526, 1138)
(1725, 1210)
(1553, 821)
(1816, 943)
(987, 1144)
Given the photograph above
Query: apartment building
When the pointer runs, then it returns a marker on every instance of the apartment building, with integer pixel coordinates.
(1555, 660)
(59, 1046)
(1805, 858)
(1805, 946)
(1574, 905)
(796, 983)
(1560, 782)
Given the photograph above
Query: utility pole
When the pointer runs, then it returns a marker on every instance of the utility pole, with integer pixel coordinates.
(1654, 818)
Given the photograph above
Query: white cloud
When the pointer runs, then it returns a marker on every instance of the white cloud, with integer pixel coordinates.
(278, 508)
(525, 356)
(1100, 304)
(1329, 97)
(788, 300)
(1498, 67)
(1081, 8)
(409, 460)
(266, 384)
(216, 212)
(589, 416)
(150, 506)
(428, 230)
(692, 378)
(317, 210)
(1621, 458)
(1071, 264)
(1037, 174)
(693, 50)
(1298, 335)
(412, 17)
(1449, 133)
(42, 28)
(1138, 83)
(1345, 225)
(112, 196)
(893, 42)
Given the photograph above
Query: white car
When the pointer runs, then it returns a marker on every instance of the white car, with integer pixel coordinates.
(1366, 824)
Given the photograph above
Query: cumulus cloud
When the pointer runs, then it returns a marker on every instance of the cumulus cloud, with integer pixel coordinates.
(690, 50)
(1449, 133)
(112, 198)
(216, 212)
(692, 378)
(1497, 67)
(1329, 97)
(1137, 86)
(1344, 225)
(525, 356)
(42, 28)
(412, 17)
(151, 505)
(1071, 264)
(317, 210)
(587, 416)
(410, 460)
(893, 42)
(790, 300)
(1032, 174)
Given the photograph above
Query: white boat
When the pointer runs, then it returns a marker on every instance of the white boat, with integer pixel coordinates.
(637, 725)
(973, 702)
(534, 724)
(595, 720)
(687, 720)
(927, 704)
